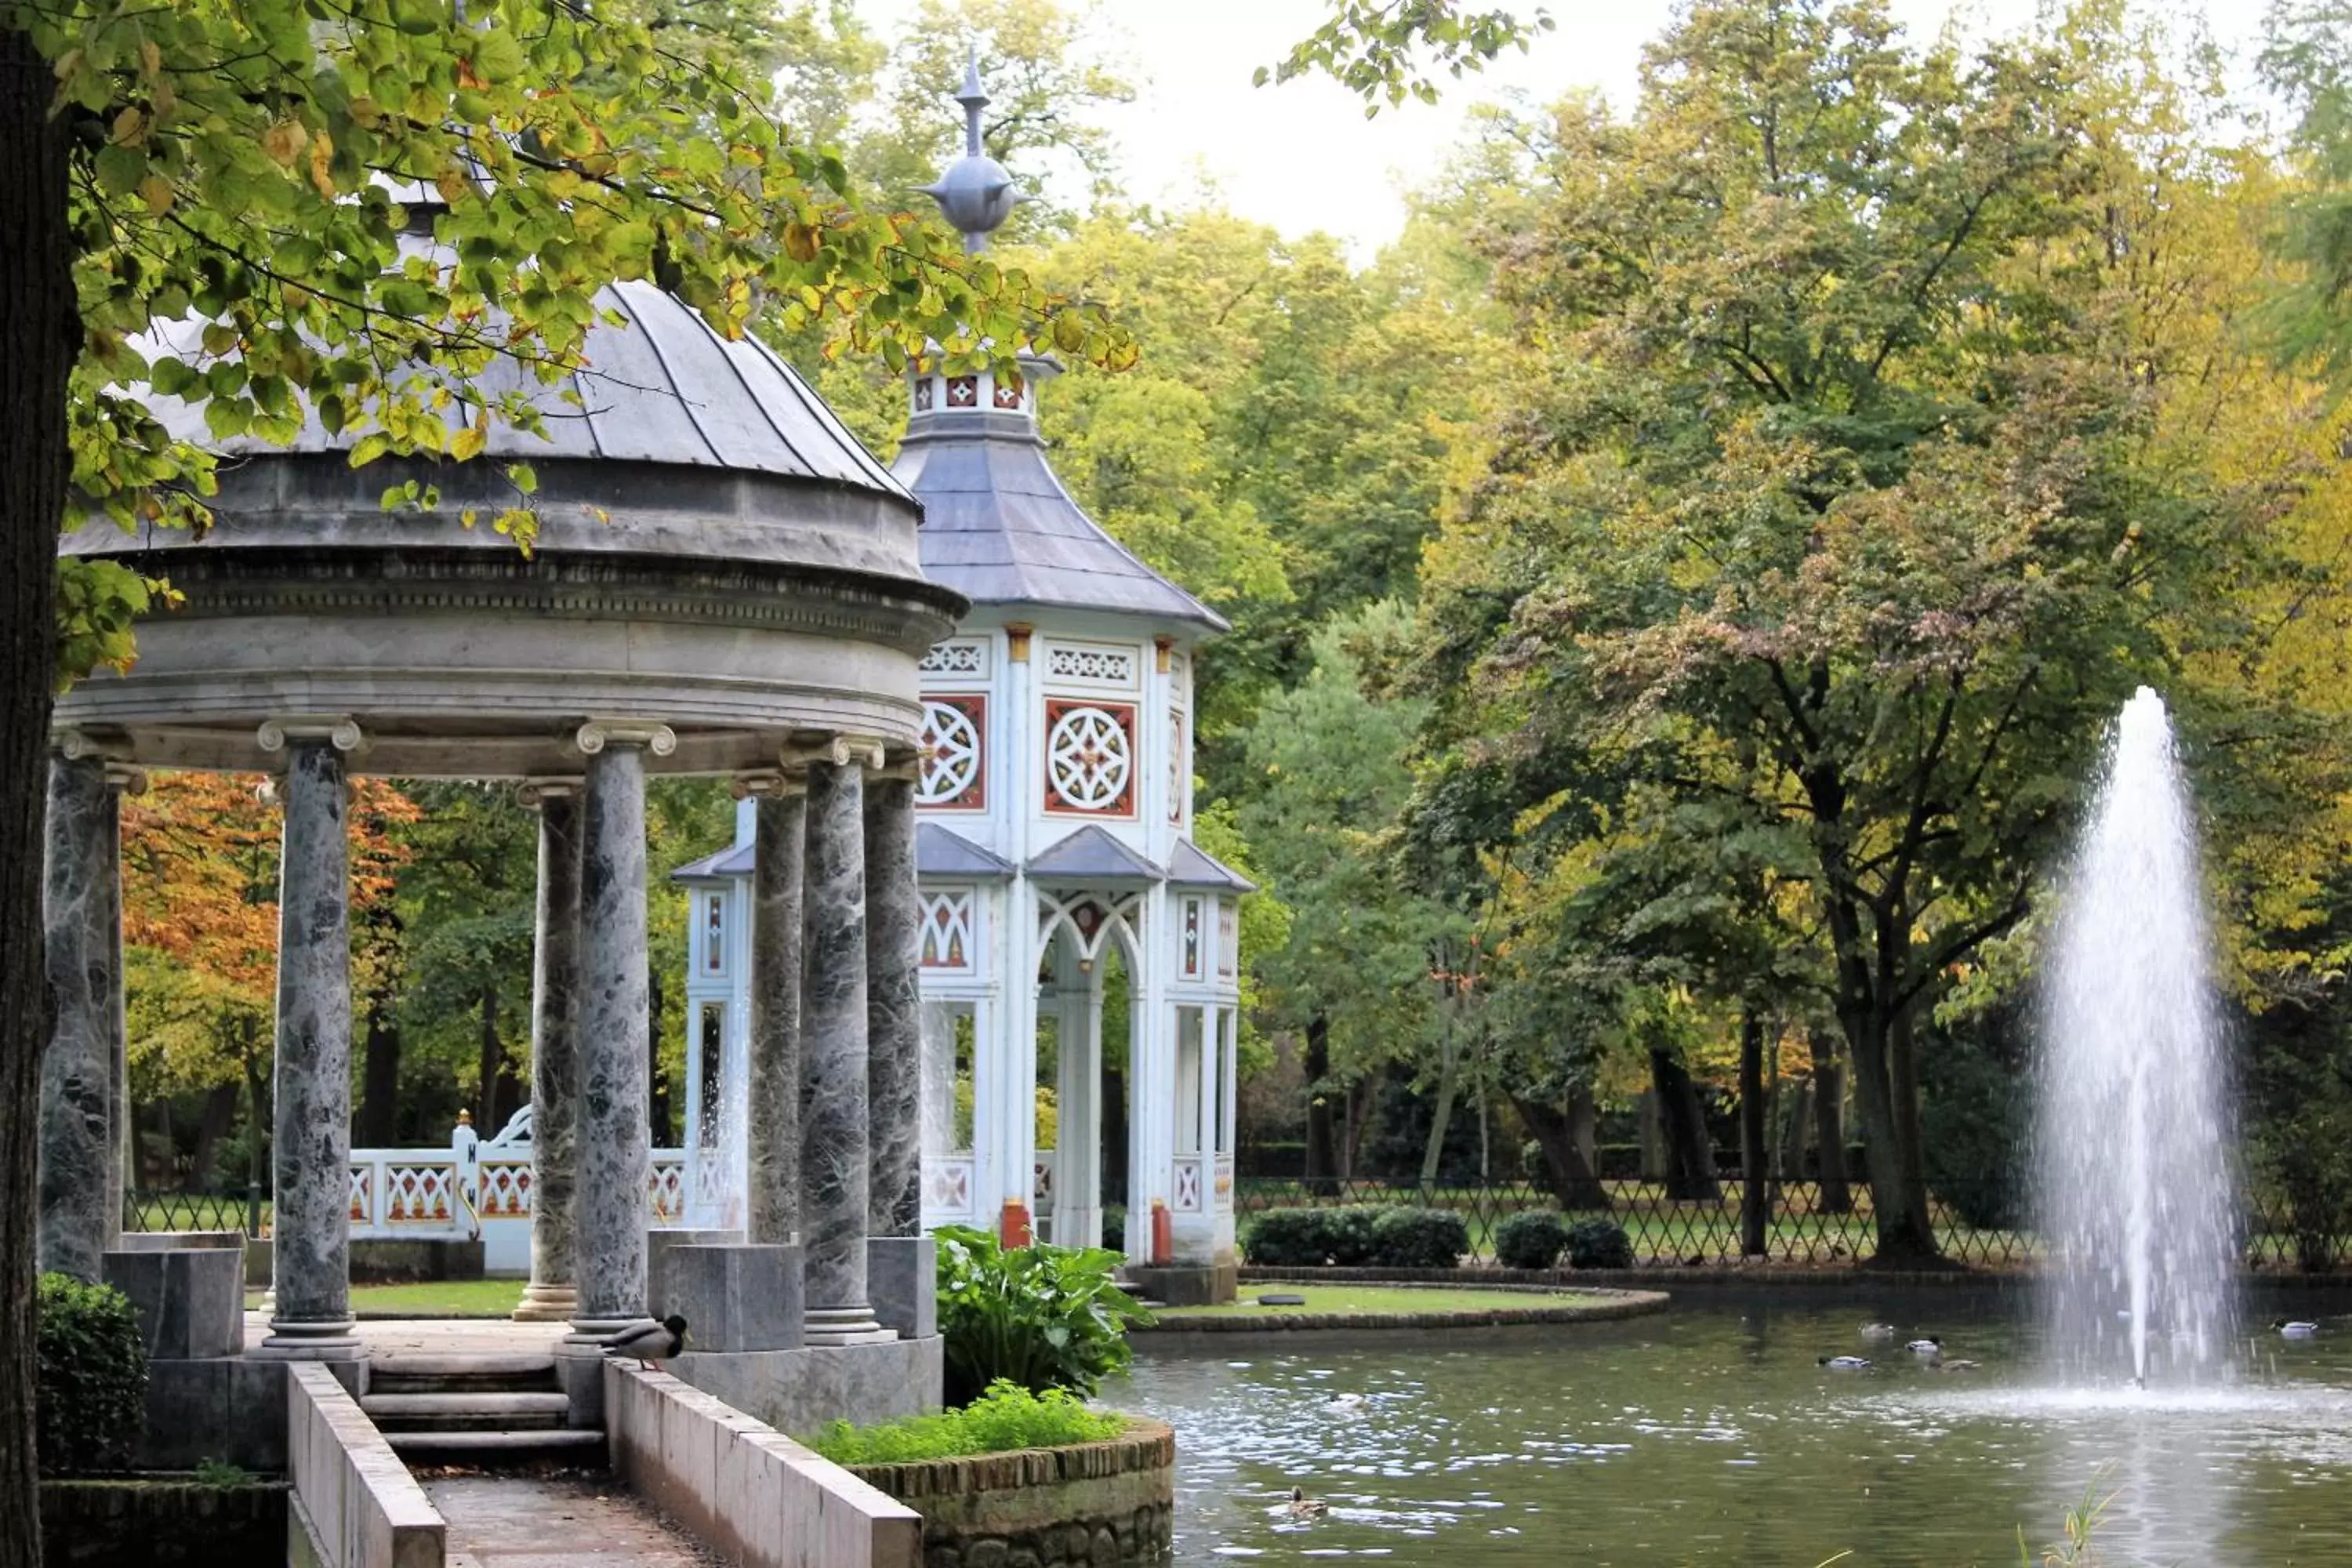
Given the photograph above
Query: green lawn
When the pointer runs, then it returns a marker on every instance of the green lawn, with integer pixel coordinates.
(1380, 1298)
(461, 1299)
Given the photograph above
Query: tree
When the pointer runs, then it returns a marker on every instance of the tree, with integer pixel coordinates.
(1841, 499)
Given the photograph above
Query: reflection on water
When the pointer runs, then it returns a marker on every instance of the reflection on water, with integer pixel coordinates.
(1709, 1436)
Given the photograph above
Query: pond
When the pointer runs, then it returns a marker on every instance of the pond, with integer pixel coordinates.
(1708, 1435)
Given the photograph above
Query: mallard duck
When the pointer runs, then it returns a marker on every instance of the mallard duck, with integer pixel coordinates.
(1878, 1331)
(650, 1344)
(1345, 1400)
(1955, 1364)
(1305, 1507)
(1845, 1363)
(2296, 1331)
(1926, 1349)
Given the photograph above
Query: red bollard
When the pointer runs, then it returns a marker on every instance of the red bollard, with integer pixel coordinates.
(1012, 1227)
(1163, 1236)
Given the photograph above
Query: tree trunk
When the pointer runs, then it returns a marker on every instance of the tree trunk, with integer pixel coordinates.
(1754, 1176)
(1796, 1124)
(379, 1122)
(1898, 1194)
(39, 336)
(1690, 1161)
(1359, 1116)
(1435, 1150)
(1650, 1137)
(1320, 1165)
(219, 1116)
(1829, 1128)
(1567, 1148)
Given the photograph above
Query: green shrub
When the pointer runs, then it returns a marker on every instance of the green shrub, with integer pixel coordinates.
(91, 1397)
(1533, 1238)
(1349, 1235)
(1040, 1316)
(1419, 1238)
(1114, 1228)
(1599, 1244)
(1287, 1238)
(1004, 1418)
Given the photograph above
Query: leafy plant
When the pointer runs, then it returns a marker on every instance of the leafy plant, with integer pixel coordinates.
(1351, 1234)
(1005, 1417)
(2083, 1522)
(91, 1395)
(221, 1475)
(1419, 1238)
(1531, 1239)
(1039, 1317)
(1599, 1244)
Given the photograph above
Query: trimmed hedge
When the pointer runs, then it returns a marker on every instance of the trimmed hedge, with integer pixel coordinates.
(1533, 1238)
(1357, 1236)
(1599, 1244)
(91, 1397)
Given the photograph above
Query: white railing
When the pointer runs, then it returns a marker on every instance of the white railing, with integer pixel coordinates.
(476, 1188)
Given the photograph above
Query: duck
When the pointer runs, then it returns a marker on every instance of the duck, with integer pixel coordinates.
(1305, 1507)
(1955, 1364)
(1878, 1331)
(1345, 1401)
(1845, 1363)
(650, 1344)
(1926, 1349)
(2296, 1331)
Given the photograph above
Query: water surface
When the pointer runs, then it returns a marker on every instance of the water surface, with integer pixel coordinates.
(1708, 1436)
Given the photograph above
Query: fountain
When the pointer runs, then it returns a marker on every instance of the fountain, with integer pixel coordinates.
(2134, 1168)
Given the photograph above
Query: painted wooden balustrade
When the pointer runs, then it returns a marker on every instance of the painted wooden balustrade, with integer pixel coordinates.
(481, 1188)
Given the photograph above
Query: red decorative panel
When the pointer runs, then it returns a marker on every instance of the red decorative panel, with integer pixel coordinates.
(1008, 394)
(963, 392)
(1090, 758)
(954, 752)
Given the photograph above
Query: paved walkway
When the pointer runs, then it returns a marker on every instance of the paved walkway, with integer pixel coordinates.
(497, 1521)
(437, 1336)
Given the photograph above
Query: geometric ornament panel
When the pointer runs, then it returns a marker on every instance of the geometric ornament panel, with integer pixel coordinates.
(1090, 758)
(954, 774)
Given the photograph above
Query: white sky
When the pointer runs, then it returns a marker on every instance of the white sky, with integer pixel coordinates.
(1302, 156)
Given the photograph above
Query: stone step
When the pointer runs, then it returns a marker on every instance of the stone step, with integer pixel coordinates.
(462, 1374)
(465, 1411)
(501, 1447)
(480, 1363)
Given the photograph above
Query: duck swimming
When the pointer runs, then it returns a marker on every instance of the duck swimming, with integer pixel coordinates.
(2296, 1331)
(1845, 1363)
(1927, 1348)
(1955, 1364)
(1878, 1331)
(1345, 1401)
(1305, 1507)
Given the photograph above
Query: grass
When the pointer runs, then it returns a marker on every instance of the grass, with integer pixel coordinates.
(1376, 1298)
(449, 1298)
(1006, 1417)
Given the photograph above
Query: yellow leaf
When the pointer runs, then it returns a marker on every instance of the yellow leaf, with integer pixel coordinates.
(156, 192)
(468, 442)
(800, 242)
(284, 141)
(322, 176)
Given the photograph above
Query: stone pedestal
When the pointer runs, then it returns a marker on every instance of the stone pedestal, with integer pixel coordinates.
(834, 1138)
(773, 1167)
(733, 1298)
(894, 1024)
(311, 1148)
(902, 1275)
(189, 1301)
(81, 938)
(551, 1297)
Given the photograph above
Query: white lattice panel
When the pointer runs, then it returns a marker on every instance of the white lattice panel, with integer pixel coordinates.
(1101, 666)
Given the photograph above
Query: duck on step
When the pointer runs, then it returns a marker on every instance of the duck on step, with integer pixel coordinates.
(650, 1344)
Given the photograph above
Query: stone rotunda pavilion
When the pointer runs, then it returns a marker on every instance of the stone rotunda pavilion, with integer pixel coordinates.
(725, 582)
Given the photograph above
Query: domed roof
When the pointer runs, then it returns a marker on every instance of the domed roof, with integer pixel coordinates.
(662, 388)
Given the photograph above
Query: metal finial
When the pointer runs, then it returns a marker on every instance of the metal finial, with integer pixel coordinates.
(974, 192)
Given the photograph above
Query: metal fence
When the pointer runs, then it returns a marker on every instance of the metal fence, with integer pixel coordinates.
(1802, 1228)
(248, 1211)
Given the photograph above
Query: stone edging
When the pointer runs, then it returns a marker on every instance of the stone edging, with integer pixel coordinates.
(1617, 1304)
(1849, 1278)
(1146, 1445)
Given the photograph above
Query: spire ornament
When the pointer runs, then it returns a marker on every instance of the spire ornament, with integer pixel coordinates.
(975, 193)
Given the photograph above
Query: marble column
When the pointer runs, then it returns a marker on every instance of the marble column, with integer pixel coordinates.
(85, 977)
(834, 1135)
(609, 1202)
(550, 1297)
(311, 1127)
(894, 1022)
(773, 1165)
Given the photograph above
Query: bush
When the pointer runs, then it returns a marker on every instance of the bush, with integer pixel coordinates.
(1419, 1238)
(1599, 1244)
(1114, 1228)
(1004, 1418)
(1287, 1238)
(91, 1395)
(1039, 1317)
(1531, 1239)
(1350, 1234)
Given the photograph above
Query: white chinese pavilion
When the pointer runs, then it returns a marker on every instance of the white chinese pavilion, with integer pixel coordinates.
(1054, 804)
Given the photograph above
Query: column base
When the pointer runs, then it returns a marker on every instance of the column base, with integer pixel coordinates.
(310, 1341)
(827, 1326)
(547, 1303)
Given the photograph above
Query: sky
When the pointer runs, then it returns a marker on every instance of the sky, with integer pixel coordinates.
(1301, 157)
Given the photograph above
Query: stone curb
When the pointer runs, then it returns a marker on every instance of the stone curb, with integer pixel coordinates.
(1146, 1445)
(1622, 1304)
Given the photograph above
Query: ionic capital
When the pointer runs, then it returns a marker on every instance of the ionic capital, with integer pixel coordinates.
(775, 783)
(340, 731)
(77, 744)
(126, 778)
(598, 733)
(839, 749)
(532, 791)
